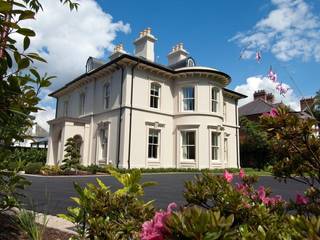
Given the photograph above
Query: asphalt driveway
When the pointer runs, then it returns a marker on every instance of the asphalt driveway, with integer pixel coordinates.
(52, 194)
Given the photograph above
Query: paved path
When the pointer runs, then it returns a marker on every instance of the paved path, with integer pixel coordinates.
(52, 194)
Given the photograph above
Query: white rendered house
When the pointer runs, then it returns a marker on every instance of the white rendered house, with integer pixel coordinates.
(132, 112)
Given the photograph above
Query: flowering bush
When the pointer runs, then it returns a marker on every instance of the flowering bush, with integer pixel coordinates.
(296, 149)
(155, 228)
(216, 209)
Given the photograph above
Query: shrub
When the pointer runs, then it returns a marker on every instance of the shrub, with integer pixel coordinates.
(51, 170)
(218, 210)
(33, 168)
(103, 214)
(296, 149)
(72, 157)
(10, 184)
(27, 222)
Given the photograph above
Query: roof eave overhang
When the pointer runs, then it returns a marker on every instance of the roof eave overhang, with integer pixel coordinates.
(125, 60)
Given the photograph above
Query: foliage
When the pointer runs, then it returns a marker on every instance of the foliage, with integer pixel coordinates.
(10, 183)
(103, 214)
(254, 147)
(72, 157)
(20, 82)
(17, 159)
(218, 210)
(33, 167)
(51, 170)
(198, 223)
(297, 151)
(27, 222)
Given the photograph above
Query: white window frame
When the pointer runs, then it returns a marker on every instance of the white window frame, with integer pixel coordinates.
(218, 146)
(106, 95)
(157, 97)
(82, 100)
(158, 145)
(215, 99)
(99, 154)
(182, 146)
(183, 98)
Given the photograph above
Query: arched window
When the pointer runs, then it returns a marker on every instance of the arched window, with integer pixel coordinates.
(190, 63)
(155, 95)
(106, 95)
(214, 99)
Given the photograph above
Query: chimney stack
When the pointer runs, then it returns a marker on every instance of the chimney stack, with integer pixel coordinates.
(260, 94)
(305, 102)
(270, 98)
(144, 45)
(177, 54)
(117, 51)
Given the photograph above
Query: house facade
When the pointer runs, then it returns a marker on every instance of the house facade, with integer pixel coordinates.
(132, 112)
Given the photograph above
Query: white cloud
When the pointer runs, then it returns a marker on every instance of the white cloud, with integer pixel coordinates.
(289, 31)
(45, 115)
(263, 83)
(66, 39)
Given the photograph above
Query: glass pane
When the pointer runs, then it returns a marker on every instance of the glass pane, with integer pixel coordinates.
(155, 152)
(214, 106)
(188, 92)
(149, 151)
(190, 138)
(184, 138)
(191, 152)
(184, 153)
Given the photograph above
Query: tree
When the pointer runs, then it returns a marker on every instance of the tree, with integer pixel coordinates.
(20, 82)
(20, 85)
(296, 149)
(72, 156)
(254, 147)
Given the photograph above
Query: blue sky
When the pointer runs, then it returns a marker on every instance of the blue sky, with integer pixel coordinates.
(287, 32)
(205, 28)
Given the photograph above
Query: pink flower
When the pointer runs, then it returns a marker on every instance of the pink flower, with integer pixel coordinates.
(228, 176)
(272, 75)
(258, 56)
(301, 200)
(262, 193)
(282, 90)
(273, 112)
(171, 207)
(242, 173)
(155, 228)
(243, 188)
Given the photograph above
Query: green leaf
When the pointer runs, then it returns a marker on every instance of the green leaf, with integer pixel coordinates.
(26, 15)
(9, 59)
(23, 63)
(26, 42)
(5, 7)
(36, 57)
(26, 32)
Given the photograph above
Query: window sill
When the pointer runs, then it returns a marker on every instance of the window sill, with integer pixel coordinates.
(153, 160)
(187, 161)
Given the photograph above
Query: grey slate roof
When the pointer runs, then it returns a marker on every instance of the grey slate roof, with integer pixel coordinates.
(260, 106)
(182, 63)
(257, 106)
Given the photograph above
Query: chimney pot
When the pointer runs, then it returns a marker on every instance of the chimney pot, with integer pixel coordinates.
(178, 53)
(260, 94)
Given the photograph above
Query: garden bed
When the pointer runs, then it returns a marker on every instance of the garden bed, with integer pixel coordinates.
(97, 170)
(10, 230)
